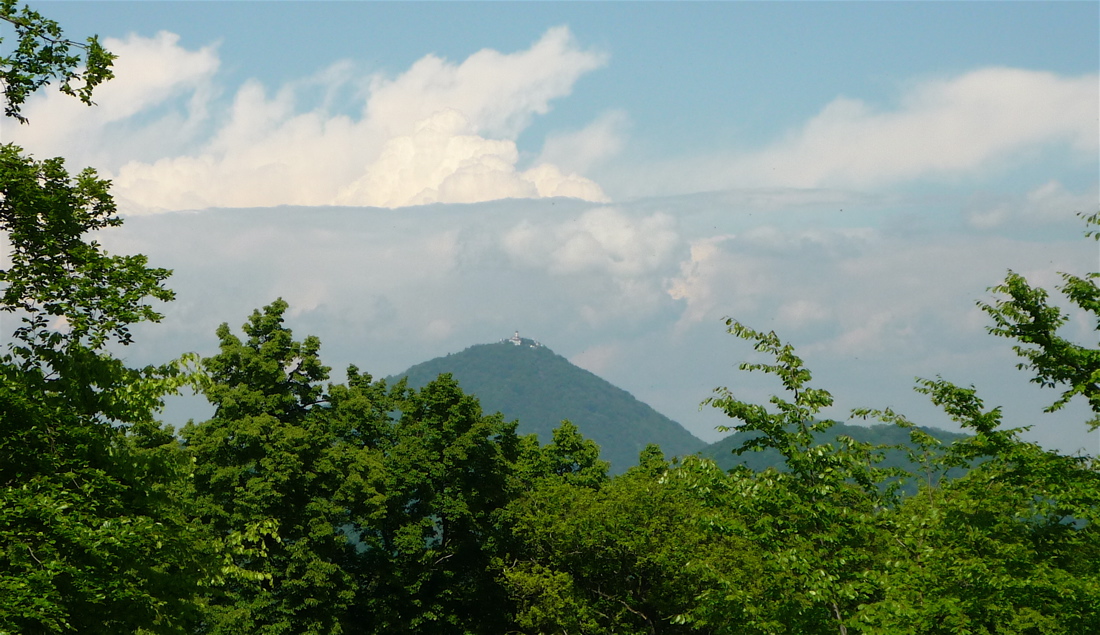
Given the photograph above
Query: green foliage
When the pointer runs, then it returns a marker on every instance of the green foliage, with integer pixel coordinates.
(630, 557)
(1011, 547)
(310, 507)
(72, 298)
(817, 525)
(899, 451)
(448, 472)
(383, 503)
(540, 388)
(68, 292)
(96, 534)
(42, 54)
(1023, 313)
(569, 456)
(271, 457)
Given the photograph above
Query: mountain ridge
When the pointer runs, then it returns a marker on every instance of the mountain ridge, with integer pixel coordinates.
(893, 440)
(526, 381)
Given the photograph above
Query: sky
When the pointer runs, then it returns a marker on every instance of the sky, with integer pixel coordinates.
(612, 179)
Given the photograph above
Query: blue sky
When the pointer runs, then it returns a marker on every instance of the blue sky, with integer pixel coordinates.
(730, 72)
(609, 178)
(681, 79)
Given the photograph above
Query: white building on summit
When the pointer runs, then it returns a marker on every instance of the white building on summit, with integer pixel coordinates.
(518, 341)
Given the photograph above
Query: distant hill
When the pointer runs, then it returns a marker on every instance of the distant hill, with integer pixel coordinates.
(528, 382)
(722, 451)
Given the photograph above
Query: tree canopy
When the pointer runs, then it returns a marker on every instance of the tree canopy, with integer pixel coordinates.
(306, 505)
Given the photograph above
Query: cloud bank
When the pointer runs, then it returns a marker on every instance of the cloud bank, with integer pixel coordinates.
(635, 291)
(441, 132)
(446, 132)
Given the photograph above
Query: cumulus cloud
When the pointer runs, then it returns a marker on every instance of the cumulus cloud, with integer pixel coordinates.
(439, 132)
(603, 239)
(976, 123)
(942, 126)
(150, 72)
(697, 284)
(440, 162)
(497, 93)
(614, 261)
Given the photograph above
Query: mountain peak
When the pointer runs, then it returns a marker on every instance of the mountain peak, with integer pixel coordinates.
(542, 388)
(516, 340)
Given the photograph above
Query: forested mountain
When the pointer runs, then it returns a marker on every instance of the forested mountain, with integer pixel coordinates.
(721, 451)
(528, 382)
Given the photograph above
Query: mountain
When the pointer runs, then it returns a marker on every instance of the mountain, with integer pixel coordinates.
(528, 382)
(722, 451)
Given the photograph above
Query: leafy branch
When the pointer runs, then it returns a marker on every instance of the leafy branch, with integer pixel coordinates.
(42, 54)
(1023, 313)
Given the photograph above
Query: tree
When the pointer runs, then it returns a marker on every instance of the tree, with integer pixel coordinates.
(569, 457)
(42, 54)
(816, 525)
(1023, 313)
(274, 458)
(87, 477)
(1016, 548)
(449, 471)
(94, 526)
(637, 555)
(1012, 546)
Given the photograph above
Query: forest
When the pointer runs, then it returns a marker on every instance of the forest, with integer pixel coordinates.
(539, 388)
(311, 506)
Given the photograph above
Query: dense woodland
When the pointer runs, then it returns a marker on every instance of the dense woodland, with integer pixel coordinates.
(538, 388)
(311, 506)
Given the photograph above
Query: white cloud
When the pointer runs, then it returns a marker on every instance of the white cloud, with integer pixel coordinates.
(597, 142)
(497, 93)
(440, 163)
(610, 264)
(1050, 202)
(149, 73)
(867, 309)
(439, 132)
(604, 240)
(978, 123)
(550, 181)
(941, 127)
(849, 291)
(698, 282)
